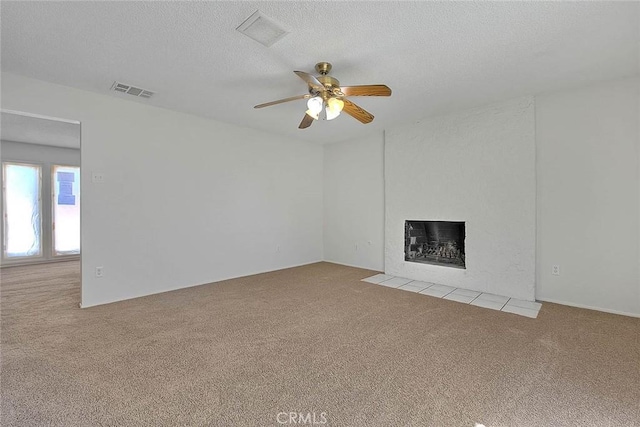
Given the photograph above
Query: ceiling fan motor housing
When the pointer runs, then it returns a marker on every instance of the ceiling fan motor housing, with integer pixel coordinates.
(329, 82)
(323, 68)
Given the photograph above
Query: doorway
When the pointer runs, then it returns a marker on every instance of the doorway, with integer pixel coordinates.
(41, 191)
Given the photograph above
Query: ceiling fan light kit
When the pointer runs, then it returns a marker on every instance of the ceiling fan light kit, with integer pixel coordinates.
(326, 94)
(315, 107)
(334, 107)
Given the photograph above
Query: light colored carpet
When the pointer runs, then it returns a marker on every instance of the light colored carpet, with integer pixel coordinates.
(307, 339)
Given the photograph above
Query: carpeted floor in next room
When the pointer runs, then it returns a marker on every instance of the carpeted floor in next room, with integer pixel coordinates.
(312, 339)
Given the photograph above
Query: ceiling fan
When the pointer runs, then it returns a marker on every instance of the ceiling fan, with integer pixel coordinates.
(326, 95)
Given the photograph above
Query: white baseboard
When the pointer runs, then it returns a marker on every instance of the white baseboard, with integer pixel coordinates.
(588, 307)
(570, 304)
(265, 271)
(352, 265)
(6, 264)
(194, 285)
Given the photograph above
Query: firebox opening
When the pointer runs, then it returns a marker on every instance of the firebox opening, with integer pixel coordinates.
(435, 242)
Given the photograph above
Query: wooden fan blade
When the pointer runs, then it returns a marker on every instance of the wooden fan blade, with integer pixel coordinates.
(280, 101)
(366, 90)
(311, 80)
(357, 112)
(307, 120)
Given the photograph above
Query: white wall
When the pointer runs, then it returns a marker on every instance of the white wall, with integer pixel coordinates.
(476, 166)
(354, 202)
(588, 195)
(186, 200)
(175, 181)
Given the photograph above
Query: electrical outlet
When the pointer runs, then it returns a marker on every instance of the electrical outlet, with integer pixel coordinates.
(97, 177)
(99, 272)
(555, 270)
(356, 246)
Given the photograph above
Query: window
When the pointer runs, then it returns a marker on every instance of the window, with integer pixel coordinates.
(22, 210)
(66, 209)
(41, 211)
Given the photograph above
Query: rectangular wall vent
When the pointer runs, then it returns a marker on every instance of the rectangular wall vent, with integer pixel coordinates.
(132, 90)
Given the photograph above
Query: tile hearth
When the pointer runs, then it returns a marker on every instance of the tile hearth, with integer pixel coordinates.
(465, 296)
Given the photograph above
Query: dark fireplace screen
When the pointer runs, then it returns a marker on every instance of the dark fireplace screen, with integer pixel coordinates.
(435, 242)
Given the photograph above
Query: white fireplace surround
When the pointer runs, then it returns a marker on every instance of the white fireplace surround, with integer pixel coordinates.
(477, 166)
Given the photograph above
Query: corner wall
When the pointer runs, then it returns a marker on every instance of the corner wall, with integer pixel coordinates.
(587, 198)
(354, 202)
(186, 200)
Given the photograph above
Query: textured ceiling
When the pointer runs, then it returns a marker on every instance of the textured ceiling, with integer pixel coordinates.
(37, 130)
(436, 56)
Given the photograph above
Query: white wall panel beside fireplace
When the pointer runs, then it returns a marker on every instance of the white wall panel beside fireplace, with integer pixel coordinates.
(476, 166)
(588, 142)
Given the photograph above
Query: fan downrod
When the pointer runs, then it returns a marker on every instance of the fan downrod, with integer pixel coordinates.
(323, 68)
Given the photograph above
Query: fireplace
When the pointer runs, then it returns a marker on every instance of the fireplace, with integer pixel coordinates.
(435, 242)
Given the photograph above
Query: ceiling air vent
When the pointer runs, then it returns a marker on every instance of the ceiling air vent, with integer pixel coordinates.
(262, 29)
(132, 90)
